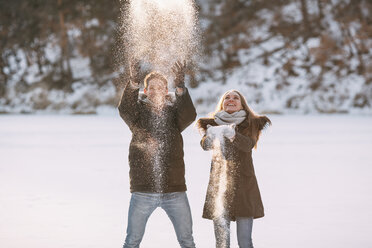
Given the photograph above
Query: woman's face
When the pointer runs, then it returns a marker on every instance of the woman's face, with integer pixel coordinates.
(232, 102)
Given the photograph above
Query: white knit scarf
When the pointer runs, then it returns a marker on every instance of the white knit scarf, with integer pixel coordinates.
(224, 118)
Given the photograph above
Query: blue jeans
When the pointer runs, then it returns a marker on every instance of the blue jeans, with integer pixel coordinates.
(244, 232)
(177, 207)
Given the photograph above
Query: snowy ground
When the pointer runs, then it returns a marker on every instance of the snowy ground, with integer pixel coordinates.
(64, 183)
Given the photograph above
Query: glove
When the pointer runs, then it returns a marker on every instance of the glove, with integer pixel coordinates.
(179, 70)
(209, 133)
(134, 73)
(229, 131)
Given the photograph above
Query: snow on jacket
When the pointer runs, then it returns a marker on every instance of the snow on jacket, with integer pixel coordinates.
(156, 149)
(242, 197)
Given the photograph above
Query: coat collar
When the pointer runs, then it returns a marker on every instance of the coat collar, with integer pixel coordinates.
(170, 97)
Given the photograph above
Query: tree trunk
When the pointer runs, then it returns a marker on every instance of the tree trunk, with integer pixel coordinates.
(65, 56)
(321, 13)
(3, 78)
(305, 19)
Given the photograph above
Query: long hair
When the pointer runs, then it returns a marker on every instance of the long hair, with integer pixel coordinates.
(244, 103)
(256, 123)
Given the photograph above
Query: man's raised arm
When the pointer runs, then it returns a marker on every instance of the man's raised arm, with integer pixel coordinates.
(128, 107)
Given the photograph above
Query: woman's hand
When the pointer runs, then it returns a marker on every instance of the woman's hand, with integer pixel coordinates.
(227, 131)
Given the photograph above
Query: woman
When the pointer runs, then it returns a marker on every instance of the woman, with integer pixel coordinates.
(233, 184)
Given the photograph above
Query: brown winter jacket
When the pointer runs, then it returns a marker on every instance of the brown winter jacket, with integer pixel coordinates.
(156, 149)
(242, 197)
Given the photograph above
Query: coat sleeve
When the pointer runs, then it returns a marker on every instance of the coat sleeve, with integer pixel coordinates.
(242, 142)
(206, 143)
(128, 107)
(186, 112)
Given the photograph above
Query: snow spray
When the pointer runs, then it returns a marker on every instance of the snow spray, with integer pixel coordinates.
(157, 147)
(160, 32)
(222, 176)
(157, 33)
(219, 170)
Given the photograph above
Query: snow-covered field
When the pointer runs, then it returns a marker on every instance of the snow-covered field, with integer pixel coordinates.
(64, 183)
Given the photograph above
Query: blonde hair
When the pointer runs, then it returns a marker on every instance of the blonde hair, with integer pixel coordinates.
(255, 121)
(243, 101)
(153, 75)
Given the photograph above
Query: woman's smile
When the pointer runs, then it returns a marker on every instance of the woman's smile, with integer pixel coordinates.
(232, 102)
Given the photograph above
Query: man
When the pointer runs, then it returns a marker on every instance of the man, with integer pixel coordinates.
(157, 170)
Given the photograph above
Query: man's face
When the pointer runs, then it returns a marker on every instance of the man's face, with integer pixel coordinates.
(156, 91)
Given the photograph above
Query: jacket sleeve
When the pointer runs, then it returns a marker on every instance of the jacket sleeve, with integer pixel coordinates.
(128, 107)
(186, 112)
(242, 142)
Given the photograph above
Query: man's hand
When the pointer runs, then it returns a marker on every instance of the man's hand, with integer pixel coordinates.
(134, 73)
(179, 70)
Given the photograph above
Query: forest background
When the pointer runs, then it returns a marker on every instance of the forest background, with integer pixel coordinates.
(299, 56)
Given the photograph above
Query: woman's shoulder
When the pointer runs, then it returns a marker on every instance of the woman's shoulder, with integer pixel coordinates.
(258, 122)
(202, 123)
(262, 122)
